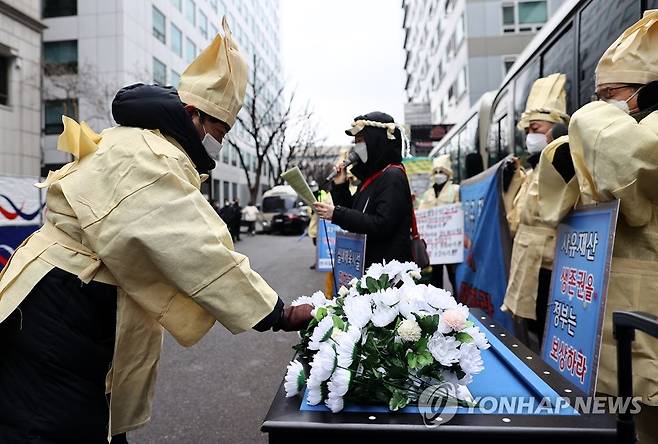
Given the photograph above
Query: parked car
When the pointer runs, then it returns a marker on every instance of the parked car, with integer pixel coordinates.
(282, 211)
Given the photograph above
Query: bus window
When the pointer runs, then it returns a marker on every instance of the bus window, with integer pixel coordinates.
(599, 27)
(560, 58)
(467, 145)
(455, 155)
(498, 140)
(522, 85)
(652, 4)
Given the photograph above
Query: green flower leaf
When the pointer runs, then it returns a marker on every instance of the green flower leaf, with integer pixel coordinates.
(383, 282)
(428, 324)
(412, 359)
(320, 313)
(398, 400)
(424, 359)
(339, 323)
(372, 284)
(464, 337)
(469, 324)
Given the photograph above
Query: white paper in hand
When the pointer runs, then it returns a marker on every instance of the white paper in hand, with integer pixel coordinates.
(296, 180)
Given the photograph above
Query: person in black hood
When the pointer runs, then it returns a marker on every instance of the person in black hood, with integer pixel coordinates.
(381, 208)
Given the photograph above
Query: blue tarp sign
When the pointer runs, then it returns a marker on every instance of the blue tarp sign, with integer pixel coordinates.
(323, 256)
(579, 285)
(481, 279)
(350, 257)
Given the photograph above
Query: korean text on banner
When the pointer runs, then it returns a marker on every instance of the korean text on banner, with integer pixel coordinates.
(574, 320)
(350, 257)
(442, 228)
(482, 276)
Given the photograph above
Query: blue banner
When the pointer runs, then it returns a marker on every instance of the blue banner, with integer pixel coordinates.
(350, 257)
(579, 284)
(324, 257)
(481, 279)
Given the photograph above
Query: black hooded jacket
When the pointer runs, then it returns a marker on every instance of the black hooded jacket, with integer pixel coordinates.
(382, 210)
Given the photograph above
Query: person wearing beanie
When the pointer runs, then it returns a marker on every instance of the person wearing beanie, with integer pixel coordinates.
(442, 191)
(381, 208)
(130, 248)
(614, 147)
(549, 192)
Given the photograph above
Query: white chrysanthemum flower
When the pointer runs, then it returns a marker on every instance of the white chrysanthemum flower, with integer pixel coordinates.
(324, 363)
(321, 332)
(453, 319)
(353, 282)
(444, 349)
(339, 382)
(450, 376)
(334, 403)
(383, 314)
(343, 291)
(409, 330)
(295, 378)
(479, 339)
(470, 359)
(317, 299)
(374, 271)
(346, 346)
(405, 271)
(302, 300)
(314, 395)
(439, 298)
(411, 300)
(358, 310)
(390, 296)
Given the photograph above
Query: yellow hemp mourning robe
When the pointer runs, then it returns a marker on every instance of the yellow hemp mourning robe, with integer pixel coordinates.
(515, 201)
(548, 199)
(449, 194)
(616, 157)
(128, 212)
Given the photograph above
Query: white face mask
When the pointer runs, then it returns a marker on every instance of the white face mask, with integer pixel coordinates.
(623, 104)
(361, 150)
(440, 178)
(212, 145)
(535, 142)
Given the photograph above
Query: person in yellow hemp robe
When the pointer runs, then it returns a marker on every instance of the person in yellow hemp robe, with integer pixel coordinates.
(614, 146)
(130, 248)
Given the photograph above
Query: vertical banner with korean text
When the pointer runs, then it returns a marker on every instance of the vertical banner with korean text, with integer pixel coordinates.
(20, 212)
(482, 276)
(579, 284)
(350, 257)
(325, 245)
(442, 228)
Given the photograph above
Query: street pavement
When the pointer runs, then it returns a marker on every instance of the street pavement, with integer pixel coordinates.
(219, 390)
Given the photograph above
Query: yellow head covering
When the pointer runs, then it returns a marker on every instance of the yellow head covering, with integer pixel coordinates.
(632, 58)
(547, 101)
(215, 82)
(442, 163)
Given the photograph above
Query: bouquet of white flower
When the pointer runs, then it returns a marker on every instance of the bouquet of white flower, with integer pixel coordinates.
(385, 339)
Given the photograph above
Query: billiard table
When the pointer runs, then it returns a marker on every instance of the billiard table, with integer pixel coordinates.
(511, 370)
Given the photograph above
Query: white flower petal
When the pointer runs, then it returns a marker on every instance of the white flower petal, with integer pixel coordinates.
(444, 349)
(295, 378)
(358, 310)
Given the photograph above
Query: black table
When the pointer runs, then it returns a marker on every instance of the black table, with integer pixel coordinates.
(511, 369)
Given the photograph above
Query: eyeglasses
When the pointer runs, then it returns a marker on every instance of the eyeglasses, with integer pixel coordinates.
(605, 92)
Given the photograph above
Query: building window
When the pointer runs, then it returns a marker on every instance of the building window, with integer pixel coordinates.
(508, 62)
(159, 72)
(159, 25)
(60, 57)
(532, 12)
(459, 31)
(178, 4)
(203, 24)
(190, 50)
(524, 16)
(174, 78)
(59, 8)
(53, 112)
(235, 191)
(226, 154)
(226, 186)
(235, 157)
(461, 83)
(190, 11)
(5, 64)
(176, 40)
